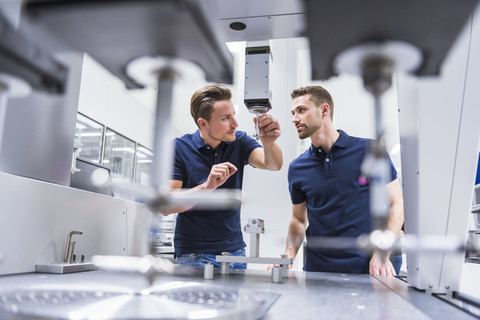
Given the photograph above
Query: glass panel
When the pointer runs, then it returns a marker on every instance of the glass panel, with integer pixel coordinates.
(90, 134)
(119, 157)
(143, 166)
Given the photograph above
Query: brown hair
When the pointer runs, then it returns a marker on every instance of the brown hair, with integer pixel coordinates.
(201, 104)
(318, 95)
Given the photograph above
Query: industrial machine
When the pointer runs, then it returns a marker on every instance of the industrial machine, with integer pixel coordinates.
(150, 43)
(257, 94)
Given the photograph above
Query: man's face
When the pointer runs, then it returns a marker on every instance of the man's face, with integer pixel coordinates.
(305, 116)
(222, 124)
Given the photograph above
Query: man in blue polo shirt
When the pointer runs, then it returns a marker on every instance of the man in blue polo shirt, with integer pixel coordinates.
(327, 193)
(214, 157)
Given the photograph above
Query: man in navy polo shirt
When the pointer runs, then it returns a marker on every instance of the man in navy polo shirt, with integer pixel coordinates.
(327, 193)
(214, 157)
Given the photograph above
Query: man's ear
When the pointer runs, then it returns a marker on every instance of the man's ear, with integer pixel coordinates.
(202, 123)
(325, 109)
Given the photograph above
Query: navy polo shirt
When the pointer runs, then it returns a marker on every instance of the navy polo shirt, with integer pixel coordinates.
(337, 204)
(209, 231)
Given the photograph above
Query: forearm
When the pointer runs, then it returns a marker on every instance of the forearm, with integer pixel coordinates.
(395, 219)
(395, 216)
(295, 238)
(273, 156)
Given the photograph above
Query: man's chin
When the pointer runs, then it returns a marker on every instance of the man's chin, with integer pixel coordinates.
(230, 137)
(302, 136)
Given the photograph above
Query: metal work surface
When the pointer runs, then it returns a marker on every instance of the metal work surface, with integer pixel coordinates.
(304, 295)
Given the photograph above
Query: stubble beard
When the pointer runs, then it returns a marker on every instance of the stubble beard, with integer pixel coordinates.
(306, 131)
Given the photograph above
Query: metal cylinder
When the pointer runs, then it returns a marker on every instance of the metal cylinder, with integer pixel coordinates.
(225, 266)
(284, 266)
(208, 271)
(276, 275)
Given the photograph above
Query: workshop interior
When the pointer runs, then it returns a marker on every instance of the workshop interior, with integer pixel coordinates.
(92, 93)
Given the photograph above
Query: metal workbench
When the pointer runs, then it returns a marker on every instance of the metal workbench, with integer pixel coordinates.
(303, 295)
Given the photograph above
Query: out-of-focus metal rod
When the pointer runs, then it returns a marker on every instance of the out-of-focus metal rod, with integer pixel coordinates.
(163, 148)
(3, 111)
(410, 243)
(379, 130)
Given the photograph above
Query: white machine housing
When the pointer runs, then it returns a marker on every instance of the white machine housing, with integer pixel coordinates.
(439, 136)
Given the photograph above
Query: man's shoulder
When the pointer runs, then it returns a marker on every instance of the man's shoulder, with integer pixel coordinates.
(352, 142)
(304, 156)
(243, 139)
(185, 141)
(241, 135)
(185, 138)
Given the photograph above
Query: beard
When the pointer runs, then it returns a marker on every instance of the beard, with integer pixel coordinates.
(306, 131)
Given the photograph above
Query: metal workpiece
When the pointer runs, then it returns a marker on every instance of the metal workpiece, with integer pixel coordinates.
(255, 227)
(259, 260)
(245, 294)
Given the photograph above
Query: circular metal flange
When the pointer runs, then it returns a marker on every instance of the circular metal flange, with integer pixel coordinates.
(148, 70)
(405, 56)
(170, 300)
(13, 86)
(260, 109)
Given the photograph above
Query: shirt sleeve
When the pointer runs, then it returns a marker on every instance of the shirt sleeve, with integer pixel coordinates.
(296, 194)
(178, 172)
(393, 171)
(249, 144)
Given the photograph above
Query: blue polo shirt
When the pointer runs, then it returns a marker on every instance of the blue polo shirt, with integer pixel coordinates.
(209, 231)
(337, 204)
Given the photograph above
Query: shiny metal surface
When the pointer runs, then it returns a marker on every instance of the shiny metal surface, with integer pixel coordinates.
(168, 300)
(303, 295)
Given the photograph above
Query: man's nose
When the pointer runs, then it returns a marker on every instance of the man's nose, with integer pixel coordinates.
(294, 118)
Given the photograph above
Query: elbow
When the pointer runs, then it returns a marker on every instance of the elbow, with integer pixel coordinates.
(277, 166)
